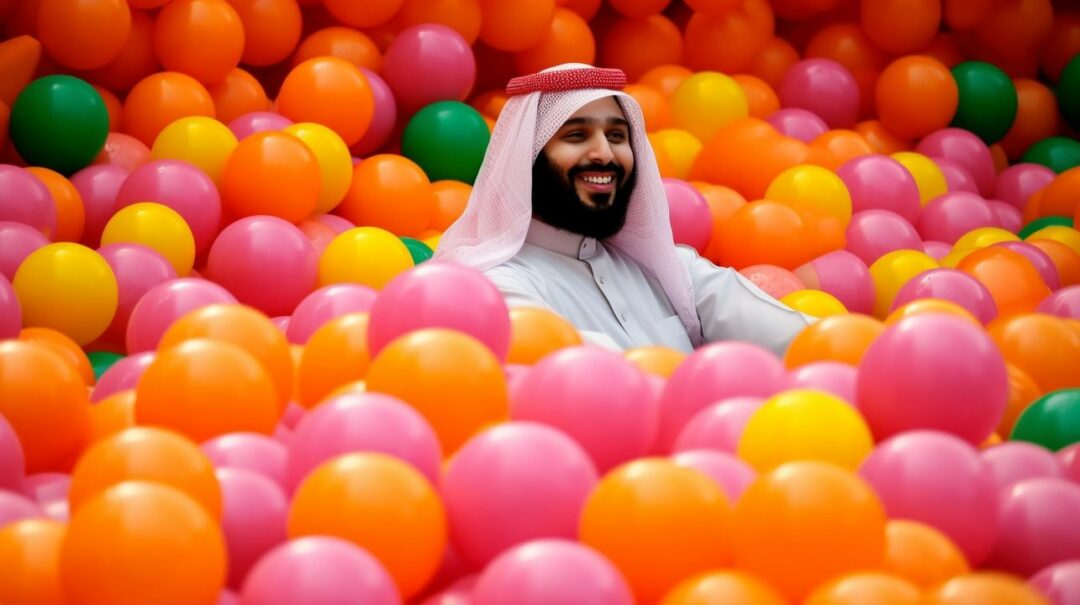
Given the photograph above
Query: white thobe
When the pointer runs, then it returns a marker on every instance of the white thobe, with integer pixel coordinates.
(608, 297)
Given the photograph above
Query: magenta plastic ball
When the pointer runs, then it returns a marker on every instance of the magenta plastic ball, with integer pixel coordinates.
(184, 188)
(1018, 182)
(714, 372)
(325, 304)
(460, 593)
(966, 149)
(137, 269)
(878, 182)
(12, 460)
(10, 310)
(872, 234)
(956, 178)
(362, 422)
(266, 262)
(732, 475)
(16, 507)
(933, 371)
(382, 120)
(830, 376)
(253, 518)
(951, 215)
(439, 294)
(98, 186)
(122, 375)
(1007, 215)
(25, 199)
(936, 250)
(1031, 512)
(513, 483)
(595, 396)
(775, 281)
(1060, 583)
(824, 87)
(50, 492)
(798, 123)
(164, 304)
(718, 427)
(845, 276)
(551, 571)
(248, 124)
(1062, 303)
(952, 285)
(319, 570)
(250, 452)
(1038, 259)
(227, 597)
(427, 63)
(691, 219)
(1016, 461)
(17, 241)
(939, 480)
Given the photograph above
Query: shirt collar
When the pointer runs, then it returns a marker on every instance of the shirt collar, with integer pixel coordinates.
(557, 240)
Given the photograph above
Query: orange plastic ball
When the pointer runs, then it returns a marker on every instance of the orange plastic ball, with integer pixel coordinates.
(70, 213)
(962, 15)
(880, 139)
(866, 587)
(205, 388)
(729, 43)
(515, 26)
(748, 236)
(773, 61)
(665, 78)
(370, 13)
(900, 26)
(840, 146)
(842, 338)
(271, 173)
(342, 42)
(536, 333)
(659, 523)
(244, 327)
(329, 91)
(491, 103)
(30, 550)
(569, 40)
(239, 93)
(723, 202)
(1063, 257)
(1036, 117)
(381, 504)
(83, 34)
(848, 45)
(1061, 45)
(807, 522)
(112, 415)
(271, 30)
(1014, 32)
(136, 59)
(451, 197)
(760, 97)
(746, 155)
(390, 192)
(915, 96)
(922, 306)
(113, 106)
(1062, 196)
(462, 16)
(985, 588)
(655, 360)
(65, 347)
(921, 554)
(119, 542)
(1042, 346)
(45, 400)
(201, 38)
(335, 355)
(452, 379)
(146, 454)
(638, 45)
(161, 99)
(728, 587)
(1022, 393)
(1014, 283)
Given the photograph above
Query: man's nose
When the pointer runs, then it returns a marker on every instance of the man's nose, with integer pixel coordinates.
(600, 150)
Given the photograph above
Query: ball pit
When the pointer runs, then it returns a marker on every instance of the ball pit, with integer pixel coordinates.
(226, 351)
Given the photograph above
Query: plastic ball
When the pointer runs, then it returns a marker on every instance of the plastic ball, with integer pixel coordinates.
(204, 39)
(967, 151)
(517, 27)
(83, 35)
(318, 570)
(950, 285)
(874, 233)
(201, 141)
(156, 226)
(271, 173)
(915, 96)
(732, 41)
(335, 163)
(1035, 117)
(31, 547)
(798, 123)
(326, 304)
(447, 139)
(928, 177)
(166, 302)
(814, 303)
(1068, 92)
(843, 275)
(364, 255)
(182, 187)
(988, 100)
(544, 571)
(59, 122)
(860, 586)
(691, 222)
(70, 214)
(679, 145)
(328, 91)
(159, 100)
(1013, 282)
(390, 192)
(921, 554)
(335, 355)
(1058, 582)
(705, 102)
(824, 87)
(28, 212)
(722, 586)
(985, 587)
(69, 288)
(1056, 153)
(238, 94)
(815, 187)
(1049, 421)
(383, 118)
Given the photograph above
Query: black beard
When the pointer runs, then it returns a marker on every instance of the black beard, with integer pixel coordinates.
(555, 200)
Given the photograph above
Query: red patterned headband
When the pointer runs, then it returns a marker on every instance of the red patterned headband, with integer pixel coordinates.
(567, 79)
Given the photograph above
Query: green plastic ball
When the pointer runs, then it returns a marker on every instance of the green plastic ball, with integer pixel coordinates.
(101, 361)
(1053, 421)
(59, 122)
(1056, 153)
(447, 140)
(1068, 92)
(419, 250)
(988, 100)
(1046, 221)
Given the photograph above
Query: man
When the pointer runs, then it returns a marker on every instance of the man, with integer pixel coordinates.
(569, 213)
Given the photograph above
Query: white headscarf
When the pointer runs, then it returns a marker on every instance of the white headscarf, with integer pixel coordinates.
(496, 219)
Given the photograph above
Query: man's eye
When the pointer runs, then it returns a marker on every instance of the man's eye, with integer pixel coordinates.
(617, 135)
(574, 135)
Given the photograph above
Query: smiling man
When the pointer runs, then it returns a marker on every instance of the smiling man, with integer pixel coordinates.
(568, 213)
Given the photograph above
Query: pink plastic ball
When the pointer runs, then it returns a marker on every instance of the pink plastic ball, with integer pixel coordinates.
(775, 281)
(319, 570)
(1007, 216)
(16, 507)
(956, 178)
(137, 269)
(1016, 184)
(732, 475)
(845, 276)
(830, 376)
(595, 396)
(17, 241)
(952, 285)
(714, 372)
(933, 371)
(691, 220)
(250, 452)
(1060, 583)
(427, 63)
(50, 492)
(798, 123)
(1031, 512)
(1063, 303)
(122, 375)
(1038, 259)
(338, 224)
(362, 422)
(967, 150)
(182, 187)
(123, 150)
(872, 234)
(440, 295)
(266, 262)
(325, 304)
(460, 593)
(1070, 462)
(718, 427)
(824, 87)
(1016, 461)
(951, 215)
(936, 250)
(98, 187)
(10, 311)
(551, 571)
(878, 182)
(12, 460)
(382, 120)
(253, 517)
(164, 304)
(513, 483)
(24, 199)
(228, 597)
(248, 124)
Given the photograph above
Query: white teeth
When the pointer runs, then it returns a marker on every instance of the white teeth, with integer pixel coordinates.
(598, 180)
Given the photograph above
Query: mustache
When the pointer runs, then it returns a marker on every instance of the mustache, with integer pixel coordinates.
(619, 171)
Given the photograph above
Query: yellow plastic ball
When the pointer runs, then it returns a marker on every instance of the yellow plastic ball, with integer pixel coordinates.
(983, 237)
(892, 271)
(928, 177)
(155, 226)
(198, 140)
(335, 162)
(1060, 234)
(681, 147)
(812, 186)
(705, 102)
(814, 303)
(69, 288)
(363, 255)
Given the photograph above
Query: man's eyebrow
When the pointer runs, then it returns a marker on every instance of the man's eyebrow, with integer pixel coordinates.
(584, 121)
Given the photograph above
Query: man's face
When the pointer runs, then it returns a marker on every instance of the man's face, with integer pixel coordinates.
(584, 175)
